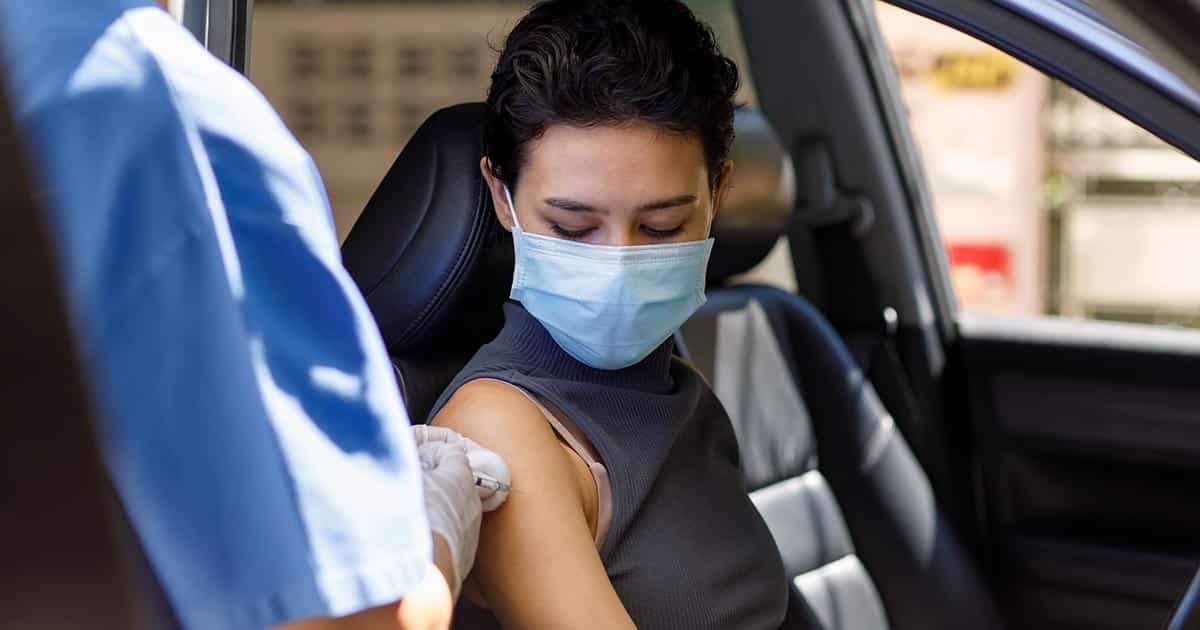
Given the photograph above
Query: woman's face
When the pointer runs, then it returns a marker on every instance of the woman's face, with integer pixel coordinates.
(629, 184)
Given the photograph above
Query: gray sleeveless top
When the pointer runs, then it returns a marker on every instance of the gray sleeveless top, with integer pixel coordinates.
(685, 547)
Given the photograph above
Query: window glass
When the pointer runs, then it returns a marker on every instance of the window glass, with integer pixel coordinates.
(354, 79)
(1047, 202)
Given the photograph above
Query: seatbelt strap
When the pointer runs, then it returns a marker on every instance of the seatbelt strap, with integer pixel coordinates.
(876, 355)
(60, 536)
(871, 341)
(833, 231)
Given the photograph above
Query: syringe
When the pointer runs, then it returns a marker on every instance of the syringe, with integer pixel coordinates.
(488, 482)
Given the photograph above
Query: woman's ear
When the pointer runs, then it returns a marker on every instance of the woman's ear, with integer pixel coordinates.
(722, 186)
(504, 214)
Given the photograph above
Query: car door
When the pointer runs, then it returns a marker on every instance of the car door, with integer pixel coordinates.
(1080, 439)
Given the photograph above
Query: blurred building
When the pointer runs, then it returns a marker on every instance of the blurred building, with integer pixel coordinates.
(975, 115)
(353, 81)
(1126, 205)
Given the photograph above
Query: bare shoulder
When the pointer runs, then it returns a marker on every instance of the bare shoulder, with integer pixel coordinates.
(480, 394)
(498, 416)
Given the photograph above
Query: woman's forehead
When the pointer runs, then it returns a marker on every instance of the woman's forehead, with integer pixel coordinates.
(631, 157)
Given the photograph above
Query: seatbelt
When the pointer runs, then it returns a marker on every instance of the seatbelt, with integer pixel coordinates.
(829, 228)
(872, 342)
(61, 551)
(876, 354)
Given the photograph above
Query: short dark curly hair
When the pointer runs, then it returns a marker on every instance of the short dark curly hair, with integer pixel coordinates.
(595, 62)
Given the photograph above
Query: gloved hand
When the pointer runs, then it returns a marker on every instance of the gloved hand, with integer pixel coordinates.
(482, 461)
(451, 504)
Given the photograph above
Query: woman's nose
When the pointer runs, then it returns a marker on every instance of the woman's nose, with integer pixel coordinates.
(623, 237)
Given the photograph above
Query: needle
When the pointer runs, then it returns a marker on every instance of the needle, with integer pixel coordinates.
(490, 483)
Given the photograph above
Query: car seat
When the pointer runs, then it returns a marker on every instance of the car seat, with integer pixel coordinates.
(849, 506)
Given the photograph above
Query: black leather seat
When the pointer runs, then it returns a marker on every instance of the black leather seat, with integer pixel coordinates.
(430, 257)
(851, 510)
(849, 506)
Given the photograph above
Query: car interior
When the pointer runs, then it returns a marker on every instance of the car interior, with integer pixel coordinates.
(919, 467)
(1039, 464)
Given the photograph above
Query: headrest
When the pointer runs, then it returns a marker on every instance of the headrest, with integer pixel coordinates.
(435, 265)
(758, 201)
(427, 252)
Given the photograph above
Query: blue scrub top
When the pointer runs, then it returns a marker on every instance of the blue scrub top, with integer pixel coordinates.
(249, 415)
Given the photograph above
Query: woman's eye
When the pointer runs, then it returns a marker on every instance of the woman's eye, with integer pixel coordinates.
(663, 233)
(572, 234)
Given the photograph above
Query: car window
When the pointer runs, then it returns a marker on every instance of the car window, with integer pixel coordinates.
(1048, 203)
(354, 79)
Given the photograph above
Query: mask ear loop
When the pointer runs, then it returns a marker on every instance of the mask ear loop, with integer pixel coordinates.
(712, 216)
(512, 207)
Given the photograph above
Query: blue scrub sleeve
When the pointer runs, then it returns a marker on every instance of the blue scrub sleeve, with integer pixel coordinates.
(215, 469)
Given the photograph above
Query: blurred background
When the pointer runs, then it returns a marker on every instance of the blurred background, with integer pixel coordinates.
(1048, 203)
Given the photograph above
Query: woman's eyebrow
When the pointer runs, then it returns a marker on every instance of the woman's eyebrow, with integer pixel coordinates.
(662, 204)
(578, 206)
(569, 204)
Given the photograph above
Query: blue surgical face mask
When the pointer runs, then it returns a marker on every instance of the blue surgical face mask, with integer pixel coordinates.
(607, 306)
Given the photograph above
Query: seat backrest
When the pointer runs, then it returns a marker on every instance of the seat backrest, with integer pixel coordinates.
(850, 508)
(430, 257)
(734, 343)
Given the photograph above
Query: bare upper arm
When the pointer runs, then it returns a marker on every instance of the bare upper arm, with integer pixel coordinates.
(537, 565)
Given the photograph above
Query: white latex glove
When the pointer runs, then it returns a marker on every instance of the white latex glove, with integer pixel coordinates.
(482, 461)
(451, 504)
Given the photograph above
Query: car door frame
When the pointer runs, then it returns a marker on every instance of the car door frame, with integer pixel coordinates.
(983, 351)
(223, 26)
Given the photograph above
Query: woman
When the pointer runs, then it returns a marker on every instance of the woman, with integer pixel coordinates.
(607, 130)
